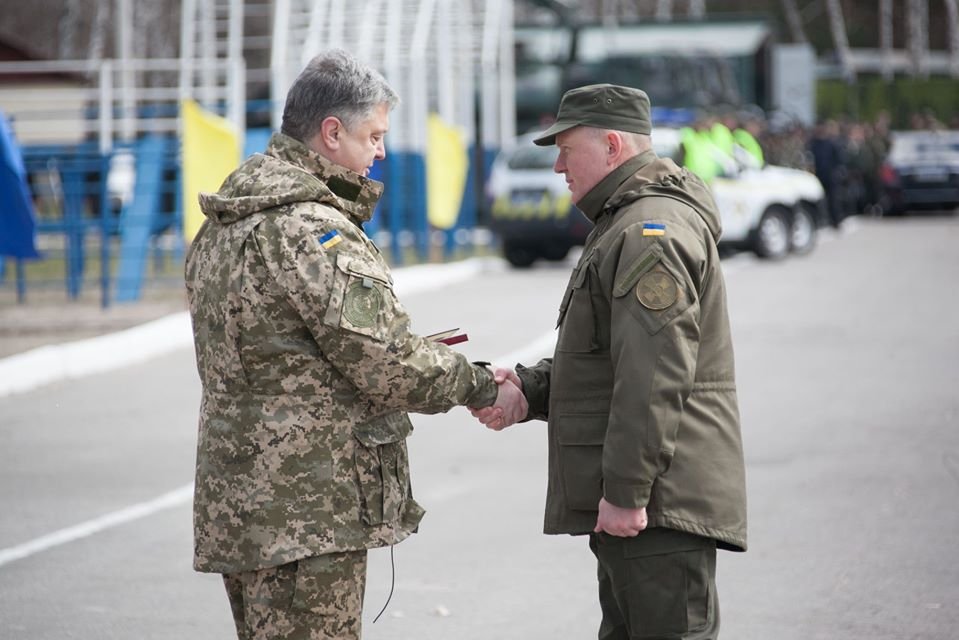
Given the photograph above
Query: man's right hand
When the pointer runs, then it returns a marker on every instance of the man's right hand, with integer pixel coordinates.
(510, 406)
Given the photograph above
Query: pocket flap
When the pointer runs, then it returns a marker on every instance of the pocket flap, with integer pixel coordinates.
(356, 266)
(584, 429)
(643, 263)
(658, 541)
(393, 427)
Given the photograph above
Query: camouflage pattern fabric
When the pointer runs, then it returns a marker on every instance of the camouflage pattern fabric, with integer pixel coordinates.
(310, 599)
(308, 366)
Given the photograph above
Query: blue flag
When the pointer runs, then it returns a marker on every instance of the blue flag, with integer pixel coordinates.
(17, 226)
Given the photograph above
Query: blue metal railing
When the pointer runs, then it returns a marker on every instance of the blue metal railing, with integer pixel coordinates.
(128, 195)
(115, 206)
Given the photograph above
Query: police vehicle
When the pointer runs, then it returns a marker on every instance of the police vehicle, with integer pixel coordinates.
(773, 211)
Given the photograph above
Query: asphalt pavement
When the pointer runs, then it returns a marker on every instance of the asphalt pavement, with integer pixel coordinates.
(847, 368)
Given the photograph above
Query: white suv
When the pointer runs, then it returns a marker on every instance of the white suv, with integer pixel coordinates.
(770, 210)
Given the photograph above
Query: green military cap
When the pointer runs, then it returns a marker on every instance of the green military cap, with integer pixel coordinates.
(604, 106)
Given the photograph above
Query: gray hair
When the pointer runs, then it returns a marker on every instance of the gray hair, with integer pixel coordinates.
(333, 84)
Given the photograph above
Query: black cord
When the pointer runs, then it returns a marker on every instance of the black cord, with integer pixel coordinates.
(392, 584)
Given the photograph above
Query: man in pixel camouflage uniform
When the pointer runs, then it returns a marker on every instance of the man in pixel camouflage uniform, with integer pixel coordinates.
(308, 366)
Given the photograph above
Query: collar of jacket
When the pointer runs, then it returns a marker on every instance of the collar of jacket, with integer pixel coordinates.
(353, 194)
(593, 203)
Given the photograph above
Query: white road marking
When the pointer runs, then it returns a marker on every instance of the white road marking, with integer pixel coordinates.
(539, 348)
(84, 529)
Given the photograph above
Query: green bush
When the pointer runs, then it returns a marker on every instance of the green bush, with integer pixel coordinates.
(901, 97)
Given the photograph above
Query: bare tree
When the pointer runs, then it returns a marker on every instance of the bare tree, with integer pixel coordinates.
(953, 35)
(69, 28)
(98, 32)
(837, 25)
(885, 38)
(697, 9)
(794, 21)
(917, 20)
(664, 10)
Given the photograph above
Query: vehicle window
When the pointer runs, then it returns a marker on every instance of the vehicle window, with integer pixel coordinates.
(938, 147)
(923, 144)
(533, 157)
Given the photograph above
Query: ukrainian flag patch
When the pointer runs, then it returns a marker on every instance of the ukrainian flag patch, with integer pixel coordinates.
(654, 229)
(330, 239)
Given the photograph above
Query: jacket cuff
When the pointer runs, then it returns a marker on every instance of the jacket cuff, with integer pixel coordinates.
(486, 388)
(536, 390)
(627, 495)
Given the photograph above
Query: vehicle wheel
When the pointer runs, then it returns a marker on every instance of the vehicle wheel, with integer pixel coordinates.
(802, 233)
(555, 251)
(771, 238)
(521, 256)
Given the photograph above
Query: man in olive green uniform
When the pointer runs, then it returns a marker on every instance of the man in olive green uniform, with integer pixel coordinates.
(645, 452)
(308, 366)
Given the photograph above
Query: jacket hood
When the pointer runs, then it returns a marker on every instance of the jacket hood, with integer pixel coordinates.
(663, 177)
(288, 173)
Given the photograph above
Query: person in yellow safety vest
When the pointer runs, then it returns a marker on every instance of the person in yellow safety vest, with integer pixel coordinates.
(698, 153)
(747, 138)
(722, 137)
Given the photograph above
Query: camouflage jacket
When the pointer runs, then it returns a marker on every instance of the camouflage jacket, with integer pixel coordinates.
(308, 366)
(640, 394)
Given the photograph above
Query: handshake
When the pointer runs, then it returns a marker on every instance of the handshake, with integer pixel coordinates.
(510, 406)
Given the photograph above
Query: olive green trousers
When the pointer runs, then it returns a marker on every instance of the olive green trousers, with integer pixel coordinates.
(310, 599)
(658, 585)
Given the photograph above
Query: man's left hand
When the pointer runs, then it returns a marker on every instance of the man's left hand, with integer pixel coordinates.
(619, 521)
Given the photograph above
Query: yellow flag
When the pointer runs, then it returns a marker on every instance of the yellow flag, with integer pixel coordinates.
(446, 167)
(211, 150)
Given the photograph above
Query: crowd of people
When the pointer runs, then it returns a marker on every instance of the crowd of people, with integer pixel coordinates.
(846, 155)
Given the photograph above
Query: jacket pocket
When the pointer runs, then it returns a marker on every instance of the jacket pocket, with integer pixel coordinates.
(678, 600)
(362, 297)
(581, 438)
(382, 467)
(577, 318)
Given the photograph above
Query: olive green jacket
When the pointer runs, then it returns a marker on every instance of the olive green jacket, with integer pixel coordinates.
(308, 365)
(640, 394)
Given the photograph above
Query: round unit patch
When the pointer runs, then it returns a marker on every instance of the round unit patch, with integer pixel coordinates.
(657, 290)
(361, 305)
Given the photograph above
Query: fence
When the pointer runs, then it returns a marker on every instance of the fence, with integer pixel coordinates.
(101, 139)
(100, 143)
(449, 59)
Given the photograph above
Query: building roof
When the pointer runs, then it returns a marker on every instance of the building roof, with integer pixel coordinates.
(727, 39)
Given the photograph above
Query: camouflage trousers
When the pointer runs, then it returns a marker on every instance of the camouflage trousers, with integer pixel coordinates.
(310, 599)
(659, 585)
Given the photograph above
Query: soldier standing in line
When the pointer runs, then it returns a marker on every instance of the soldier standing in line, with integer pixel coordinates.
(827, 155)
(308, 366)
(645, 451)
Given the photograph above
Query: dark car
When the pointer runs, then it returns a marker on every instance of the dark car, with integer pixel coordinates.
(530, 206)
(921, 172)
